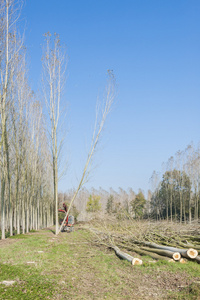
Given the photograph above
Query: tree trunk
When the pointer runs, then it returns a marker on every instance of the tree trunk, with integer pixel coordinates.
(3, 209)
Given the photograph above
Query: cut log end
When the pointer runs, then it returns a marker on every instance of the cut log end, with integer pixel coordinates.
(176, 256)
(183, 261)
(192, 253)
(136, 261)
(171, 260)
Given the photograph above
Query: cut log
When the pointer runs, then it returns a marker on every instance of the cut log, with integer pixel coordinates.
(136, 261)
(197, 258)
(123, 255)
(174, 255)
(188, 253)
(183, 261)
(146, 253)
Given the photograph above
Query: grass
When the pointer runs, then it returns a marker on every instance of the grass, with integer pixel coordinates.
(29, 283)
(71, 267)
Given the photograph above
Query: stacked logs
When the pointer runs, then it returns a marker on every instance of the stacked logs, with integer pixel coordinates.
(172, 253)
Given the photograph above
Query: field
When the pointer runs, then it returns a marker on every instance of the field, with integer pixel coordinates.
(78, 265)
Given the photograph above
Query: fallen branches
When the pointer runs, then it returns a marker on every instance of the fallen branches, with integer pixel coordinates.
(169, 248)
(107, 240)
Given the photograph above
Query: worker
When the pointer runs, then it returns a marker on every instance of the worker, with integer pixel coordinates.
(64, 210)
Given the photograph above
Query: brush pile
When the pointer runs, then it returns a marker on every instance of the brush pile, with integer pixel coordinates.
(160, 240)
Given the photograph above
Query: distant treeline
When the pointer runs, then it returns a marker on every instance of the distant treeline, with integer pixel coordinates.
(121, 203)
(176, 196)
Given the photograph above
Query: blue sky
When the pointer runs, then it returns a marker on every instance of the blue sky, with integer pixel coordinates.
(153, 47)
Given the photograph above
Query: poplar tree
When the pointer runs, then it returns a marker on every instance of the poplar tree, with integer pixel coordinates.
(54, 67)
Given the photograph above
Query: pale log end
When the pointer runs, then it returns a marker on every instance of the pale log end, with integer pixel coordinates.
(176, 256)
(192, 253)
(136, 261)
(183, 261)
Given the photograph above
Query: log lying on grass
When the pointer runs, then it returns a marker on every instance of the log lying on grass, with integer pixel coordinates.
(188, 253)
(123, 255)
(151, 254)
(174, 255)
(197, 258)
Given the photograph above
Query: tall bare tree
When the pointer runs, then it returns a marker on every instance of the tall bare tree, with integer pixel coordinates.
(101, 116)
(9, 49)
(54, 67)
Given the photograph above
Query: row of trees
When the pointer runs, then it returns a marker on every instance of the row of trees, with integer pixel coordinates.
(177, 194)
(30, 144)
(25, 156)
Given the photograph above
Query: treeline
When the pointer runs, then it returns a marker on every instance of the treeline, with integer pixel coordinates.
(176, 196)
(121, 203)
(26, 182)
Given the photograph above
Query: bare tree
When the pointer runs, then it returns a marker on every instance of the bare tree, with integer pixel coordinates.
(8, 17)
(155, 184)
(54, 67)
(190, 170)
(101, 116)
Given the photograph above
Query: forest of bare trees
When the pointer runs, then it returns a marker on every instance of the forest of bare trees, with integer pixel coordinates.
(174, 194)
(100, 202)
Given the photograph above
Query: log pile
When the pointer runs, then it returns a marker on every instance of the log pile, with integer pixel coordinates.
(171, 245)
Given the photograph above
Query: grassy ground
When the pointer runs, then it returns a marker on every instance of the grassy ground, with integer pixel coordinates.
(69, 266)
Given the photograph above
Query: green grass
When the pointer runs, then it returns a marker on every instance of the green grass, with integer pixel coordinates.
(71, 267)
(29, 283)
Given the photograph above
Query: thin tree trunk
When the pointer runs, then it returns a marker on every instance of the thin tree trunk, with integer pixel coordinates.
(3, 209)
(181, 208)
(190, 212)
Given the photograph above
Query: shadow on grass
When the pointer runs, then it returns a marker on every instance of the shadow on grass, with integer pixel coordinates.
(50, 229)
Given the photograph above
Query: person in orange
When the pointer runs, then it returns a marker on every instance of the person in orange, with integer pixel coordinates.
(64, 210)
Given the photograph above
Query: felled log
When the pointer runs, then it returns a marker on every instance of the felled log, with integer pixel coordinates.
(174, 255)
(183, 261)
(197, 258)
(146, 253)
(188, 253)
(123, 255)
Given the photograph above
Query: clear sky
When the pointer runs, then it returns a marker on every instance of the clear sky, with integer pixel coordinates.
(153, 47)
